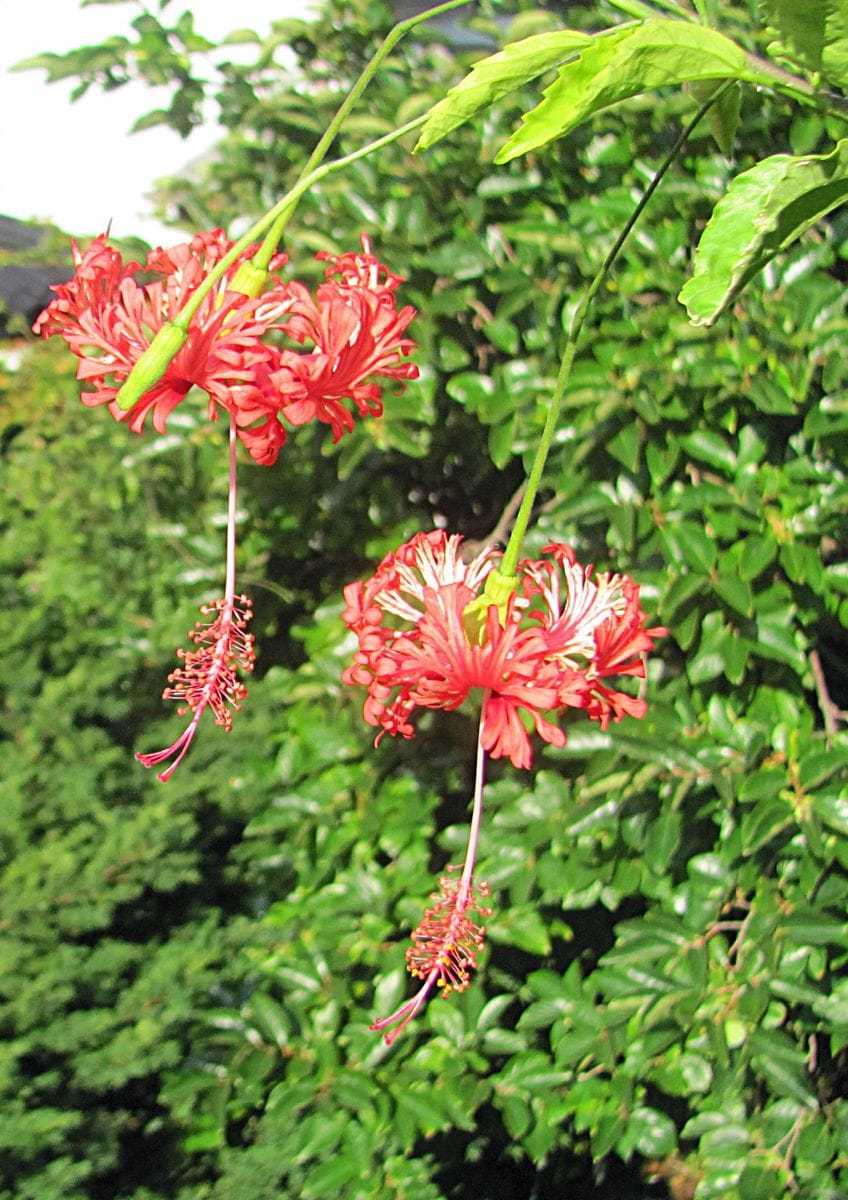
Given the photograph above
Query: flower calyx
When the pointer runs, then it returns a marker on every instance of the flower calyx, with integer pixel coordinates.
(496, 593)
(250, 279)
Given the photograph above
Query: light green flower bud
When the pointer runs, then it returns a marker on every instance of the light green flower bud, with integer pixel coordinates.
(152, 365)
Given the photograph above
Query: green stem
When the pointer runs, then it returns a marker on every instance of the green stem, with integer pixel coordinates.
(787, 84)
(274, 222)
(269, 246)
(509, 563)
(646, 12)
(183, 318)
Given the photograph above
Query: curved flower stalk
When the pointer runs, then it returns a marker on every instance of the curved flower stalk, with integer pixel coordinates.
(109, 319)
(548, 648)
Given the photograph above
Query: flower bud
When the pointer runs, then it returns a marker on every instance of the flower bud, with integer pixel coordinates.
(151, 365)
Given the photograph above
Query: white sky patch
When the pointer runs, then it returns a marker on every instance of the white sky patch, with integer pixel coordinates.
(77, 164)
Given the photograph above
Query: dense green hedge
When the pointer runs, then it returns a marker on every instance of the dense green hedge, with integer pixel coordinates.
(187, 973)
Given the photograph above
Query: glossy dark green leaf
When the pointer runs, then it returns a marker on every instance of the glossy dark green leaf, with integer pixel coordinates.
(769, 818)
(648, 1132)
(809, 927)
(707, 446)
(783, 1063)
(759, 1182)
(662, 840)
(734, 590)
(328, 1177)
(833, 810)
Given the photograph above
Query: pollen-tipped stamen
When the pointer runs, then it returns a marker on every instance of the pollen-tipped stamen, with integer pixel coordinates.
(446, 942)
(207, 677)
(444, 948)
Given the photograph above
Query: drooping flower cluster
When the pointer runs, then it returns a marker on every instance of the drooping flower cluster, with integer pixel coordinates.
(110, 311)
(552, 645)
(431, 627)
(267, 353)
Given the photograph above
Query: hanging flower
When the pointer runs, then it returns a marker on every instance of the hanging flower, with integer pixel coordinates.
(110, 312)
(548, 648)
(356, 334)
(109, 318)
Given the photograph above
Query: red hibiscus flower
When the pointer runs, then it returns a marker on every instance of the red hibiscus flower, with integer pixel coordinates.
(356, 334)
(108, 319)
(548, 649)
(109, 313)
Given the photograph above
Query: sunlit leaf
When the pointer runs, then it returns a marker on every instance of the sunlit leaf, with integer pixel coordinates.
(764, 210)
(813, 35)
(496, 76)
(626, 62)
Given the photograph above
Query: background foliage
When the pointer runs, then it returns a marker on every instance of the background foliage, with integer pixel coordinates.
(187, 973)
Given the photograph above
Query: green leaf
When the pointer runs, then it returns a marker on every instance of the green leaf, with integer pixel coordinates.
(723, 116)
(690, 543)
(813, 35)
(625, 62)
(759, 1182)
(270, 1018)
(763, 211)
(472, 390)
(710, 447)
(649, 1132)
(209, 1135)
(833, 810)
(494, 77)
(769, 817)
(516, 1115)
(329, 1177)
(782, 1063)
(521, 926)
(808, 926)
(662, 840)
(734, 591)
(723, 119)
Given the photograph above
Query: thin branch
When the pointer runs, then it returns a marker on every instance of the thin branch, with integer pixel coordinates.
(831, 713)
(500, 532)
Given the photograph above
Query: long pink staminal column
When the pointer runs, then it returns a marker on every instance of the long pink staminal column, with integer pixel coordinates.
(445, 944)
(207, 678)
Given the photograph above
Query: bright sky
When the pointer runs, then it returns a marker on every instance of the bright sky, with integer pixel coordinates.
(77, 164)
